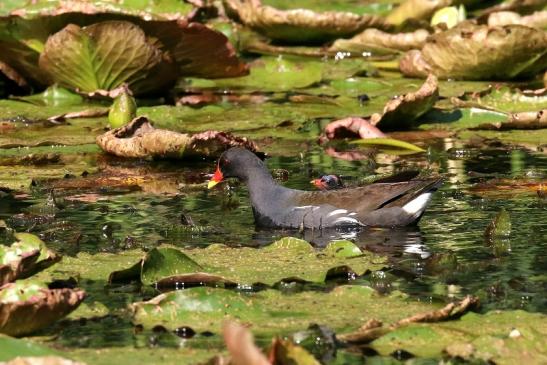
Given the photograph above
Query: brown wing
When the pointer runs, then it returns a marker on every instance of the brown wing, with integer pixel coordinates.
(367, 198)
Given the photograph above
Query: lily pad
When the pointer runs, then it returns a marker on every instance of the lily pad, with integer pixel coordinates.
(204, 309)
(26, 306)
(512, 51)
(538, 19)
(300, 25)
(489, 336)
(287, 259)
(12, 347)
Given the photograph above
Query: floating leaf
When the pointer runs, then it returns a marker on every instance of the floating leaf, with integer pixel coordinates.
(12, 347)
(53, 96)
(537, 19)
(500, 226)
(286, 259)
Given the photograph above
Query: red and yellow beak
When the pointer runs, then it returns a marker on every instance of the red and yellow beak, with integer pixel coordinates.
(217, 177)
(318, 183)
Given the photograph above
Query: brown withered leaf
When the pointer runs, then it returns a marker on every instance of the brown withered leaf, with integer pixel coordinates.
(372, 40)
(460, 53)
(300, 25)
(373, 329)
(140, 139)
(21, 318)
(403, 110)
(12, 74)
(537, 19)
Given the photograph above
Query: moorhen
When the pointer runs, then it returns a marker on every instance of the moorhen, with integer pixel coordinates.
(328, 182)
(275, 206)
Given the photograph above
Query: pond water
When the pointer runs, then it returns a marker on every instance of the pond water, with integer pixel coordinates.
(446, 256)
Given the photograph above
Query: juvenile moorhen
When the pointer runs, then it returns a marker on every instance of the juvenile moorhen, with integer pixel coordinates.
(328, 182)
(379, 204)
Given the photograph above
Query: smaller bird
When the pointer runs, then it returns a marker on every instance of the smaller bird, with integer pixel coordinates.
(328, 182)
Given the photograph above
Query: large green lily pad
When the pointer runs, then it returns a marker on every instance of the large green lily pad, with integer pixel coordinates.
(204, 309)
(286, 259)
(11, 347)
(103, 56)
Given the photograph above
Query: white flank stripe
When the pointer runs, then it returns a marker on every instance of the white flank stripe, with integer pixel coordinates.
(417, 205)
(346, 220)
(335, 212)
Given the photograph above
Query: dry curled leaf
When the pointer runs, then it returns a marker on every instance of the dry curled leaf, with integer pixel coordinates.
(479, 52)
(13, 270)
(537, 19)
(373, 329)
(140, 139)
(402, 110)
(24, 317)
(299, 25)
(371, 40)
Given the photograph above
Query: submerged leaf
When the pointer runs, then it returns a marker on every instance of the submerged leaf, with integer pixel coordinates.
(512, 51)
(300, 25)
(26, 306)
(103, 56)
(140, 139)
(500, 226)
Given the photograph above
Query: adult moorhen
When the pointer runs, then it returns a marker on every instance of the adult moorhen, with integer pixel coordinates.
(378, 204)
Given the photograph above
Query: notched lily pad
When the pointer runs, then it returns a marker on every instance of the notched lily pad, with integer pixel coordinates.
(27, 256)
(511, 51)
(26, 306)
(300, 25)
(140, 139)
